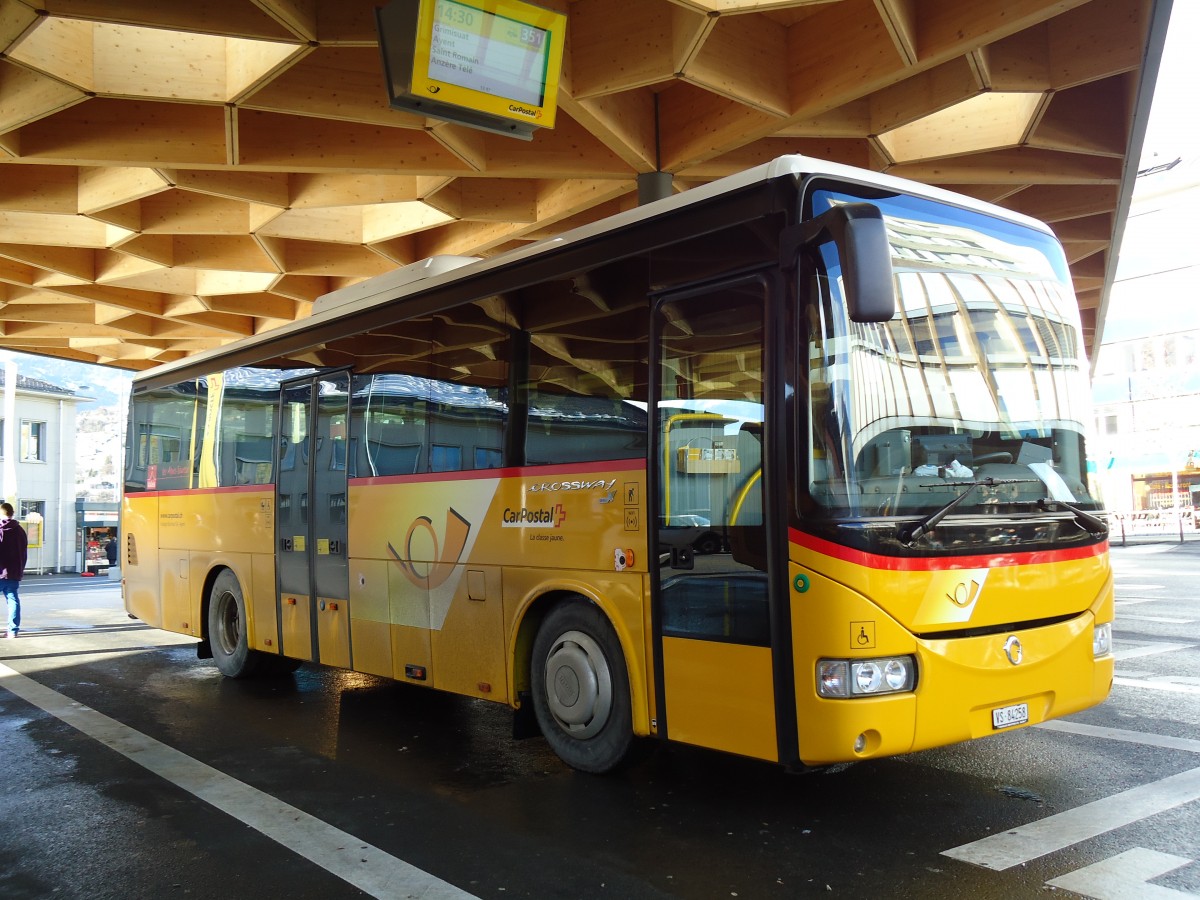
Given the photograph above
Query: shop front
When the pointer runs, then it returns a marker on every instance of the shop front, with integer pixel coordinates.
(96, 525)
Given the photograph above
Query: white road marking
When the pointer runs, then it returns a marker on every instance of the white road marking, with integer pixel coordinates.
(1020, 845)
(1165, 741)
(366, 867)
(38, 595)
(1174, 684)
(1164, 619)
(1137, 587)
(1149, 650)
(1125, 876)
(1130, 601)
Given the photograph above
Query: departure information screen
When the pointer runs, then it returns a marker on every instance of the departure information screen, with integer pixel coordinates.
(489, 53)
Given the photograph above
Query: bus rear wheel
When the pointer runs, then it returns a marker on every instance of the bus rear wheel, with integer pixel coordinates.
(581, 688)
(227, 628)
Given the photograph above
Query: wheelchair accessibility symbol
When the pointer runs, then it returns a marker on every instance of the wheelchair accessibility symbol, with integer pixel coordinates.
(862, 635)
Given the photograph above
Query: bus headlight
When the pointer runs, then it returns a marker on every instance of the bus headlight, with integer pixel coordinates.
(1102, 640)
(865, 677)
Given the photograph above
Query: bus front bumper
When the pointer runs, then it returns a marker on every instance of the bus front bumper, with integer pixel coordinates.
(966, 688)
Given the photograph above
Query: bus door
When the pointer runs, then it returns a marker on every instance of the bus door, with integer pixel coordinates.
(714, 579)
(310, 503)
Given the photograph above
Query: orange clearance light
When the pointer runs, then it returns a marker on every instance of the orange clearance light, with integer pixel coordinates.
(484, 687)
(417, 673)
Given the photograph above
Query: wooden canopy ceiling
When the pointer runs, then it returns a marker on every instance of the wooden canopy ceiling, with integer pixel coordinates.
(177, 175)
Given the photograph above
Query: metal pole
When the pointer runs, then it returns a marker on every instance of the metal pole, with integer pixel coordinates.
(653, 186)
(8, 489)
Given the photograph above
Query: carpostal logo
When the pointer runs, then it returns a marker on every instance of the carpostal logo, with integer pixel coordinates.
(534, 518)
(525, 111)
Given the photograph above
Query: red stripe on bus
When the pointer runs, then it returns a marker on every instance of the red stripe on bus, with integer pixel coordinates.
(940, 563)
(195, 492)
(543, 472)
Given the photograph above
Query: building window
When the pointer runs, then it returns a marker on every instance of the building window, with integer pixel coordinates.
(1, 439)
(32, 513)
(33, 441)
(1110, 425)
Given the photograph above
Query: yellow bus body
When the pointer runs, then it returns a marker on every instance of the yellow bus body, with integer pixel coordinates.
(778, 385)
(415, 599)
(467, 620)
(873, 607)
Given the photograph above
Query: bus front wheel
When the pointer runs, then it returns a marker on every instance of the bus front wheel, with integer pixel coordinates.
(581, 688)
(227, 628)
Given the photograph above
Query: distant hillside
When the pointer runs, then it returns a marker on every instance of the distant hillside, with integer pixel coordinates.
(99, 423)
(99, 453)
(108, 387)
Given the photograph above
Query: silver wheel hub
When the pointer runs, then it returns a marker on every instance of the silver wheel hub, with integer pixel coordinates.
(229, 623)
(578, 684)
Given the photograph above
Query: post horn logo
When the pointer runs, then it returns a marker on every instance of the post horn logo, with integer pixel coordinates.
(433, 574)
(1012, 649)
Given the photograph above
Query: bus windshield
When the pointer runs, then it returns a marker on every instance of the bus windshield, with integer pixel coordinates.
(979, 377)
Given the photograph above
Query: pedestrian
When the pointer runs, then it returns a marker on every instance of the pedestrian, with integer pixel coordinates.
(110, 550)
(14, 550)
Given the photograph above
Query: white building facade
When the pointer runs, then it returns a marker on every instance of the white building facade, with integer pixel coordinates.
(1146, 380)
(1147, 396)
(37, 466)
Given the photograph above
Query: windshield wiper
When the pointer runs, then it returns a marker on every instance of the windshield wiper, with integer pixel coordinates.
(912, 532)
(1093, 525)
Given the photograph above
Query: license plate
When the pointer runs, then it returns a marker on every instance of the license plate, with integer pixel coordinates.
(1007, 716)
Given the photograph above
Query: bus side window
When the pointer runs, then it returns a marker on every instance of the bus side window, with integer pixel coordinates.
(395, 432)
(395, 452)
(468, 402)
(251, 461)
(445, 458)
(571, 428)
(160, 448)
(587, 372)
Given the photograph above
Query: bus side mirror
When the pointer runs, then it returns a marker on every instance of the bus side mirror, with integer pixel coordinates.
(860, 236)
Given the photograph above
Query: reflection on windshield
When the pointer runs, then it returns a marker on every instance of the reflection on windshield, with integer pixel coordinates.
(977, 376)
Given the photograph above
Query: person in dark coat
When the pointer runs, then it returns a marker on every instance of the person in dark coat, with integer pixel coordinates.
(14, 551)
(110, 550)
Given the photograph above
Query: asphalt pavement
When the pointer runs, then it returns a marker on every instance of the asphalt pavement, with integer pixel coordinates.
(132, 769)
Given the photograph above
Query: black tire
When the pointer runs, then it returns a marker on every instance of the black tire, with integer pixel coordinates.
(581, 688)
(227, 629)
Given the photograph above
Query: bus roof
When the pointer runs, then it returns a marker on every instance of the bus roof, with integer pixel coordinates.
(430, 273)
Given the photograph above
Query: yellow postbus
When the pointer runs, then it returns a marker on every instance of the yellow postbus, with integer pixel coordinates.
(791, 465)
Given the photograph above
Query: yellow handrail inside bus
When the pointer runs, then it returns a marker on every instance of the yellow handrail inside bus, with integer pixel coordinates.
(743, 494)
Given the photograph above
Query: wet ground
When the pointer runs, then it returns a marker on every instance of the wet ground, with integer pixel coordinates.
(132, 769)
